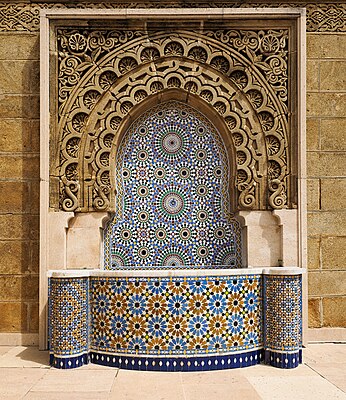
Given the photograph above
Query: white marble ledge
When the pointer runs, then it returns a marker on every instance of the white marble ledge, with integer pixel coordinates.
(174, 273)
(173, 13)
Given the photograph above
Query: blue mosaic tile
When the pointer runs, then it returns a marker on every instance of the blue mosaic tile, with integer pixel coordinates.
(282, 312)
(176, 316)
(172, 175)
(69, 316)
(283, 360)
(179, 364)
(173, 324)
(69, 362)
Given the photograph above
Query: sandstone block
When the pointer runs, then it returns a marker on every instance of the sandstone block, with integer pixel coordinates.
(14, 197)
(33, 317)
(326, 104)
(14, 257)
(333, 194)
(333, 134)
(14, 226)
(34, 129)
(10, 167)
(20, 167)
(30, 287)
(314, 310)
(19, 106)
(334, 252)
(313, 194)
(10, 288)
(34, 232)
(19, 47)
(15, 287)
(326, 46)
(13, 317)
(312, 134)
(16, 135)
(333, 283)
(312, 75)
(334, 311)
(34, 197)
(19, 77)
(314, 283)
(327, 223)
(34, 257)
(325, 164)
(327, 283)
(332, 75)
(313, 253)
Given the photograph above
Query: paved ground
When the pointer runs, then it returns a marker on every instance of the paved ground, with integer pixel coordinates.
(25, 374)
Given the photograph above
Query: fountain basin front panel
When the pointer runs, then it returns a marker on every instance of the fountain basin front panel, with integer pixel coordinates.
(183, 320)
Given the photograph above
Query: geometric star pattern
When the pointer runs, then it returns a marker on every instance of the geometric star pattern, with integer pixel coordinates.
(172, 195)
(175, 316)
(68, 315)
(283, 312)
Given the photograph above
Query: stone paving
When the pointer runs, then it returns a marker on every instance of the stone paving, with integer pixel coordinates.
(26, 374)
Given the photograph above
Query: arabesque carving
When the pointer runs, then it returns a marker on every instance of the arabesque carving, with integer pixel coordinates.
(321, 17)
(242, 75)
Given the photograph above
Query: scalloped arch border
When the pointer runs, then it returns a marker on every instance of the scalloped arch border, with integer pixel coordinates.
(86, 180)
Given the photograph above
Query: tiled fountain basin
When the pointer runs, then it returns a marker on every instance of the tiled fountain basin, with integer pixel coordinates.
(180, 320)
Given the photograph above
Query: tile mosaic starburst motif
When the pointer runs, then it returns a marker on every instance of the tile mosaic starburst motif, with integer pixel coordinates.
(180, 316)
(173, 200)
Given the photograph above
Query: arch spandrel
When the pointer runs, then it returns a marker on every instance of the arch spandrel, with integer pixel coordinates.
(232, 81)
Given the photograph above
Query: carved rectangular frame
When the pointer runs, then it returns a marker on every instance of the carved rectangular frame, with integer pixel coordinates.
(48, 17)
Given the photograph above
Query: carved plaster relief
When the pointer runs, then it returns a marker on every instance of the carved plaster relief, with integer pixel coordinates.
(321, 17)
(239, 75)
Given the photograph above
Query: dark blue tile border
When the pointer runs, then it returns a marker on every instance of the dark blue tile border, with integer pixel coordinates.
(176, 364)
(179, 364)
(283, 360)
(69, 362)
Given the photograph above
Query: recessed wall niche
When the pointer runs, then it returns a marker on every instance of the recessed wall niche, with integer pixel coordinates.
(240, 70)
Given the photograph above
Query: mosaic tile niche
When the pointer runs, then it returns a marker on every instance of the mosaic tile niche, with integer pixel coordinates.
(173, 202)
(171, 296)
(177, 172)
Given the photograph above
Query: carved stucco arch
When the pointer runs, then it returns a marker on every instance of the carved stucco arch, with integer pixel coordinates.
(249, 102)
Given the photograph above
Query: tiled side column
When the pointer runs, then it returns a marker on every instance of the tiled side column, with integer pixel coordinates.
(282, 296)
(68, 321)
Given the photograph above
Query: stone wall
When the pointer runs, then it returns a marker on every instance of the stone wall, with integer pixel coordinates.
(19, 181)
(326, 144)
(19, 166)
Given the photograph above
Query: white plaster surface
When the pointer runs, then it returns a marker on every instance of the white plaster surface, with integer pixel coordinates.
(19, 339)
(288, 221)
(83, 247)
(177, 272)
(84, 240)
(58, 223)
(318, 335)
(263, 238)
